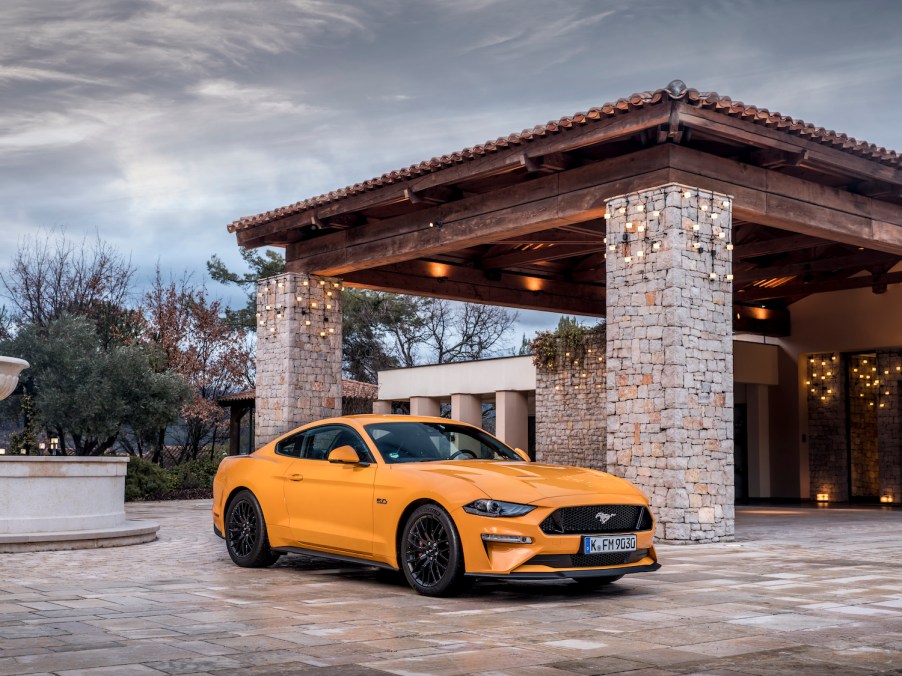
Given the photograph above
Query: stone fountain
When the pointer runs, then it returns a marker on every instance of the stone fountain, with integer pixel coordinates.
(70, 502)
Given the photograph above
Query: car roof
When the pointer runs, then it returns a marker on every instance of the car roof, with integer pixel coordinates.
(364, 418)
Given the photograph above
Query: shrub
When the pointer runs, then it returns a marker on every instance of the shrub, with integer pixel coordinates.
(194, 474)
(145, 480)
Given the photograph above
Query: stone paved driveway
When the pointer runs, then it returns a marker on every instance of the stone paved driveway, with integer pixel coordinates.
(803, 591)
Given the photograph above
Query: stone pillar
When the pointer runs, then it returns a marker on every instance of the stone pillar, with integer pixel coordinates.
(512, 418)
(467, 408)
(298, 352)
(381, 407)
(670, 356)
(425, 406)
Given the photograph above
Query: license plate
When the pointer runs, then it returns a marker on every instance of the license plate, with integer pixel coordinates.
(609, 544)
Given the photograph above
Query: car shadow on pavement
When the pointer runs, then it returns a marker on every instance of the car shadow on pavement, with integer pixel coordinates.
(528, 591)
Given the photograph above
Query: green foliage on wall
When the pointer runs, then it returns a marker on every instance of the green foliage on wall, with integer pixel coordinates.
(567, 341)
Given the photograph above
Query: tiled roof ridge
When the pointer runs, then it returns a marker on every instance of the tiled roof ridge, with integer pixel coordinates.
(676, 90)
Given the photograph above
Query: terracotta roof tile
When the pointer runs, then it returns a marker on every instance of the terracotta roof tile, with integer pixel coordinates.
(708, 100)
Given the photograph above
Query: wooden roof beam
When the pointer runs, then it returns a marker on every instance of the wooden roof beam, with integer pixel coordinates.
(782, 201)
(552, 201)
(440, 280)
(491, 164)
(835, 264)
(436, 195)
(546, 253)
(777, 245)
(803, 289)
(819, 155)
(771, 158)
(560, 236)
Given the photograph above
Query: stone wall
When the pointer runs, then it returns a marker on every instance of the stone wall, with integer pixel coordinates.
(670, 356)
(298, 353)
(828, 453)
(864, 396)
(571, 427)
(889, 423)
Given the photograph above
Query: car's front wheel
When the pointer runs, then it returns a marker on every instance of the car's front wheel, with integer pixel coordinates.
(431, 555)
(246, 537)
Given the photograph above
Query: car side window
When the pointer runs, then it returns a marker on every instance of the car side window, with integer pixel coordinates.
(292, 446)
(321, 440)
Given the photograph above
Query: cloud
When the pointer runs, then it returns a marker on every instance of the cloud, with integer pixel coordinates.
(158, 122)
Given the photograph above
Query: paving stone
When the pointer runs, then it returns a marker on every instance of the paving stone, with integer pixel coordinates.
(711, 609)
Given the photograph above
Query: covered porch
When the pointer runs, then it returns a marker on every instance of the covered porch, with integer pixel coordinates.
(682, 217)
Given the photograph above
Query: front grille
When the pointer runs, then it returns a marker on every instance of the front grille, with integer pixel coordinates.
(586, 560)
(586, 520)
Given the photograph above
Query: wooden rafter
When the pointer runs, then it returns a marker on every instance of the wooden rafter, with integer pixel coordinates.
(847, 262)
(536, 255)
(805, 289)
(440, 280)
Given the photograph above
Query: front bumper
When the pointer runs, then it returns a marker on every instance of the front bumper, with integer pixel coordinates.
(548, 556)
(572, 573)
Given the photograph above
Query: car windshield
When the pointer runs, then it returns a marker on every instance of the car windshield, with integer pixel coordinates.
(435, 441)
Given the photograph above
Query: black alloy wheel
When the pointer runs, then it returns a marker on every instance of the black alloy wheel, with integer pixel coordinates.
(431, 555)
(246, 538)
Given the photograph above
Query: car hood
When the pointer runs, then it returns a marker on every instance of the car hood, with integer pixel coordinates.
(526, 482)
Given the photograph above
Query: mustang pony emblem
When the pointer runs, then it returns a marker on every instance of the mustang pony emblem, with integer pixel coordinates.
(604, 518)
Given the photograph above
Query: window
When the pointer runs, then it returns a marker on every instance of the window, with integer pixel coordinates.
(424, 442)
(321, 440)
(292, 446)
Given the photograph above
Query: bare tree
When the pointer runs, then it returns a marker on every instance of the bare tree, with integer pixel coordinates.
(5, 323)
(450, 332)
(210, 354)
(52, 275)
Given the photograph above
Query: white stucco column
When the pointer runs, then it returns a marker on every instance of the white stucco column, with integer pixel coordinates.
(381, 407)
(425, 406)
(467, 408)
(512, 418)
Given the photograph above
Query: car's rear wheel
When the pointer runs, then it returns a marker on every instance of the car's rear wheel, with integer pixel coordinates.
(431, 556)
(246, 537)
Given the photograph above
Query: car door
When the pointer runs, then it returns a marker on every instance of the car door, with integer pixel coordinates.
(330, 505)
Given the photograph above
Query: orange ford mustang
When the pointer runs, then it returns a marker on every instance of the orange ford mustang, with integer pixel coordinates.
(435, 498)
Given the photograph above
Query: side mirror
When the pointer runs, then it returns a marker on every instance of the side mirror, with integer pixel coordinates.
(344, 455)
(523, 454)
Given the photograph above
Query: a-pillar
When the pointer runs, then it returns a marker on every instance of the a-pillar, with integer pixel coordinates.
(298, 352)
(512, 418)
(425, 406)
(467, 408)
(670, 356)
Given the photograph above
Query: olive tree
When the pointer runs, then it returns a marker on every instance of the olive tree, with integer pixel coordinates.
(88, 394)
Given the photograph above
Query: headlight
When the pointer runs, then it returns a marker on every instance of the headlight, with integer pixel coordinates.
(497, 508)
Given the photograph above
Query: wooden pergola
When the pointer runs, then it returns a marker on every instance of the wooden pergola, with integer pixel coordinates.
(519, 221)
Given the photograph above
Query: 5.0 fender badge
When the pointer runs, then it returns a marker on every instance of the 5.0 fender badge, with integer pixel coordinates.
(381, 501)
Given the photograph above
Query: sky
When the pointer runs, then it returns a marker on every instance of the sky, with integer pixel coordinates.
(155, 124)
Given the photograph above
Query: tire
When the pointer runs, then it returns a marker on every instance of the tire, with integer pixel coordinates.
(588, 583)
(245, 533)
(431, 556)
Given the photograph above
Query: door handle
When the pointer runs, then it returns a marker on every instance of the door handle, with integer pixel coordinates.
(296, 477)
